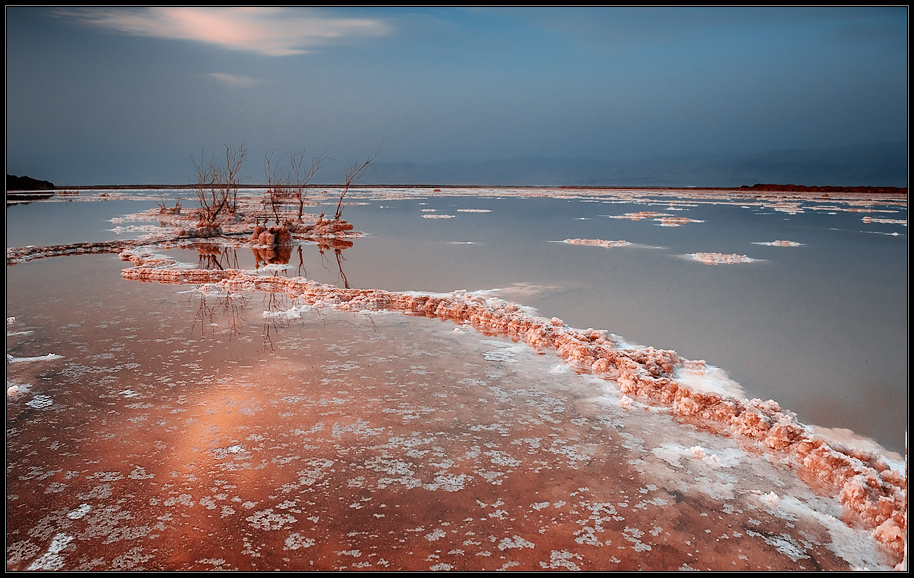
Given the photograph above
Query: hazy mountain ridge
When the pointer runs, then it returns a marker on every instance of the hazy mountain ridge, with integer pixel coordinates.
(880, 165)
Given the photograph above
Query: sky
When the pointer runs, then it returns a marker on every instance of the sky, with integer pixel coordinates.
(114, 95)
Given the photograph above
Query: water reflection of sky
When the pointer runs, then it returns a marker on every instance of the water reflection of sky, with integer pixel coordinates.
(190, 427)
(820, 327)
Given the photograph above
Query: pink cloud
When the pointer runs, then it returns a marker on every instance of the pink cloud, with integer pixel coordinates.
(268, 31)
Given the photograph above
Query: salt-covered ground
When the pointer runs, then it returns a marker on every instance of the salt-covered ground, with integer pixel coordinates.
(381, 441)
(249, 420)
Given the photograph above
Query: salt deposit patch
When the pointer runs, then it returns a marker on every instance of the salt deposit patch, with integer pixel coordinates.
(149, 229)
(505, 354)
(700, 376)
(791, 208)
(720, 258)
(597, 243)
(676, 221)
(50, 356)
(607, 244)
(40, 402)
(79, 512)
(885, 221)
(295, 312)
(14, 389)
(520, 289)
(672, 453)
(639, 215)
(779, 243)
(52, 559)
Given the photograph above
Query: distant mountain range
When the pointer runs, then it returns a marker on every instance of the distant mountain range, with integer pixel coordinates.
(879, 165)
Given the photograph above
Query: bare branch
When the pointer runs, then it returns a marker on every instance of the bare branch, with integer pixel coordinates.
(277, 182)
(351, 176)
(217, 187)
(303, 176)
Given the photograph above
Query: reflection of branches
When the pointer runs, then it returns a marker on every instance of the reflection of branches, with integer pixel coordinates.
(230, 256)
(337, 246)
(274, 315)
(302, 272)
(339, 262)
(228, 305)
(331, 243)
(208, 256)
(274, 304)
(212, 256)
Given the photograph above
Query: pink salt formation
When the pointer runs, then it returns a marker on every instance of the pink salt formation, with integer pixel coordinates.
(719, 258)
(676, 221)
(885, 221)
(641, 215)
(597, 243)
(28, 253)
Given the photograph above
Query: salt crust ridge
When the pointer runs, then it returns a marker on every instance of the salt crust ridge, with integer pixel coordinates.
(869, 490)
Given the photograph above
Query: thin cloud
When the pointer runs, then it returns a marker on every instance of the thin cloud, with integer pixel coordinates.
(267, 31)
(234, 80)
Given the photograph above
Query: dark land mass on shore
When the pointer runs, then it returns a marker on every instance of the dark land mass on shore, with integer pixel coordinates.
(14, 183)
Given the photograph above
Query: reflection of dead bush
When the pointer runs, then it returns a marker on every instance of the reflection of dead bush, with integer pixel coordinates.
(280, 255)
(209, 250)
(273, 244)
(332, 244)
(228, 306)
(216, 257)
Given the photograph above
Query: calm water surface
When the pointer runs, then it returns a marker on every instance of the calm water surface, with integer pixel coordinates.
(820, 327)
(184, 430)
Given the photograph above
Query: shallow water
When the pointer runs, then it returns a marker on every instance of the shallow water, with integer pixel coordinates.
(185, 429)
(821, 327)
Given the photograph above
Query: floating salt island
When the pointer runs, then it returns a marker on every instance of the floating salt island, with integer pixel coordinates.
(779, 243)
(597, 243)
(720, 258)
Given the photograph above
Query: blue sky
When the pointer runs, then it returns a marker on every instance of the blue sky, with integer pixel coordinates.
(132, 95)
